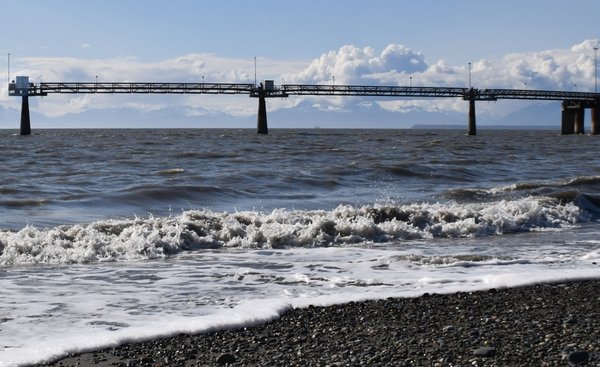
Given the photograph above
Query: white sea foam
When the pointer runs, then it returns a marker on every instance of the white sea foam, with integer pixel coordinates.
(115, 281)
(246, 314)
(50, 311)
(152, 238)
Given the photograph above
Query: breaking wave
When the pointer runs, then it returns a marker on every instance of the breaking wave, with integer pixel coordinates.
(150, 238)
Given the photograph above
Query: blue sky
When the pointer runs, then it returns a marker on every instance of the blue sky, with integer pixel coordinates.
(456, 31)
(539, 43)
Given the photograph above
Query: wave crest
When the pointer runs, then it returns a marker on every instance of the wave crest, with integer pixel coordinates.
(149, 238)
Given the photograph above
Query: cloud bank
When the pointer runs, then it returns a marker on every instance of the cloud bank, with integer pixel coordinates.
(396, 64)
(558, 69)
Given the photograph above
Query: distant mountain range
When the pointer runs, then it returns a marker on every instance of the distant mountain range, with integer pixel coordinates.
(305, 115)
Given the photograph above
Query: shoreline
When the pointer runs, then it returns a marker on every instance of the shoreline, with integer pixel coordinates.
(554, 324)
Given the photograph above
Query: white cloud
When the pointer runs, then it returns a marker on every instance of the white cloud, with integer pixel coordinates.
(557, 69)
(396, 64)
(353, 65)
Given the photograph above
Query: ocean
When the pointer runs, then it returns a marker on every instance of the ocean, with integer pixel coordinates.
(113, 236)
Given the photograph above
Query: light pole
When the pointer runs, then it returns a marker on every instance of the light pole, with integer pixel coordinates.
(410, 82)
(595, 69)
(469, 75)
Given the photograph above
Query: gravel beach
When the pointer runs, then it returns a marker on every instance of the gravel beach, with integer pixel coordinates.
(541, 325)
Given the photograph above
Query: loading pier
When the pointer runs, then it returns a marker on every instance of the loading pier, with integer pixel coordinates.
(573, 103)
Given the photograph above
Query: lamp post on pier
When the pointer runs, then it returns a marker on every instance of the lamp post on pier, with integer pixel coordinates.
(595, 69)
(469, 75)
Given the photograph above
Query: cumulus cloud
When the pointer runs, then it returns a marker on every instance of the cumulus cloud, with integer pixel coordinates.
(396, 64)
(353, 65)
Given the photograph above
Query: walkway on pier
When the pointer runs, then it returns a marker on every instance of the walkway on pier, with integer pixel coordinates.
(574, 103)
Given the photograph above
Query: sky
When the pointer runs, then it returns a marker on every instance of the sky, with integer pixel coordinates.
(538, 44)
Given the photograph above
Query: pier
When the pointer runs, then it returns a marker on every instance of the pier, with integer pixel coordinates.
(572, 119)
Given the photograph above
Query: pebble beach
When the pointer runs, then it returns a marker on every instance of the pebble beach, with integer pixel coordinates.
(541, 325)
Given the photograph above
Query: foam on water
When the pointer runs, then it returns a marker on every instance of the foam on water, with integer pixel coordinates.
(51, 347)
(50, 311)
(151, 238)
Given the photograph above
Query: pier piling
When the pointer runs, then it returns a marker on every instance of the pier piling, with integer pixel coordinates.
(25, 120)
(472, 117)
(261, 122)
(569, 115)
(595, 128)
(579, 120)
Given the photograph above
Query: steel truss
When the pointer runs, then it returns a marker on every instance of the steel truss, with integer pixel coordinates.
(286, 90)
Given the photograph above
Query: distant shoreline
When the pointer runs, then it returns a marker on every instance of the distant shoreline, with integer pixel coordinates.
(486, 127)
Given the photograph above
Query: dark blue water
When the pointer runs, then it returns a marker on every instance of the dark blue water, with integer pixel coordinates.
(336, 187)
(57, 177)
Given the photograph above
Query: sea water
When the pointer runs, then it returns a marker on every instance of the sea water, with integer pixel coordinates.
(111, 236)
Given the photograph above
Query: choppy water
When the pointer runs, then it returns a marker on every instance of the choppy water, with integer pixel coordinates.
(108, 236)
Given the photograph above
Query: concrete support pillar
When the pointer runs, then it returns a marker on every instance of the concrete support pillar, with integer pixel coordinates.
(579, 120)
(261, 122)
(25, 121)
(596, 117)
(472, 122)
(568, 119)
